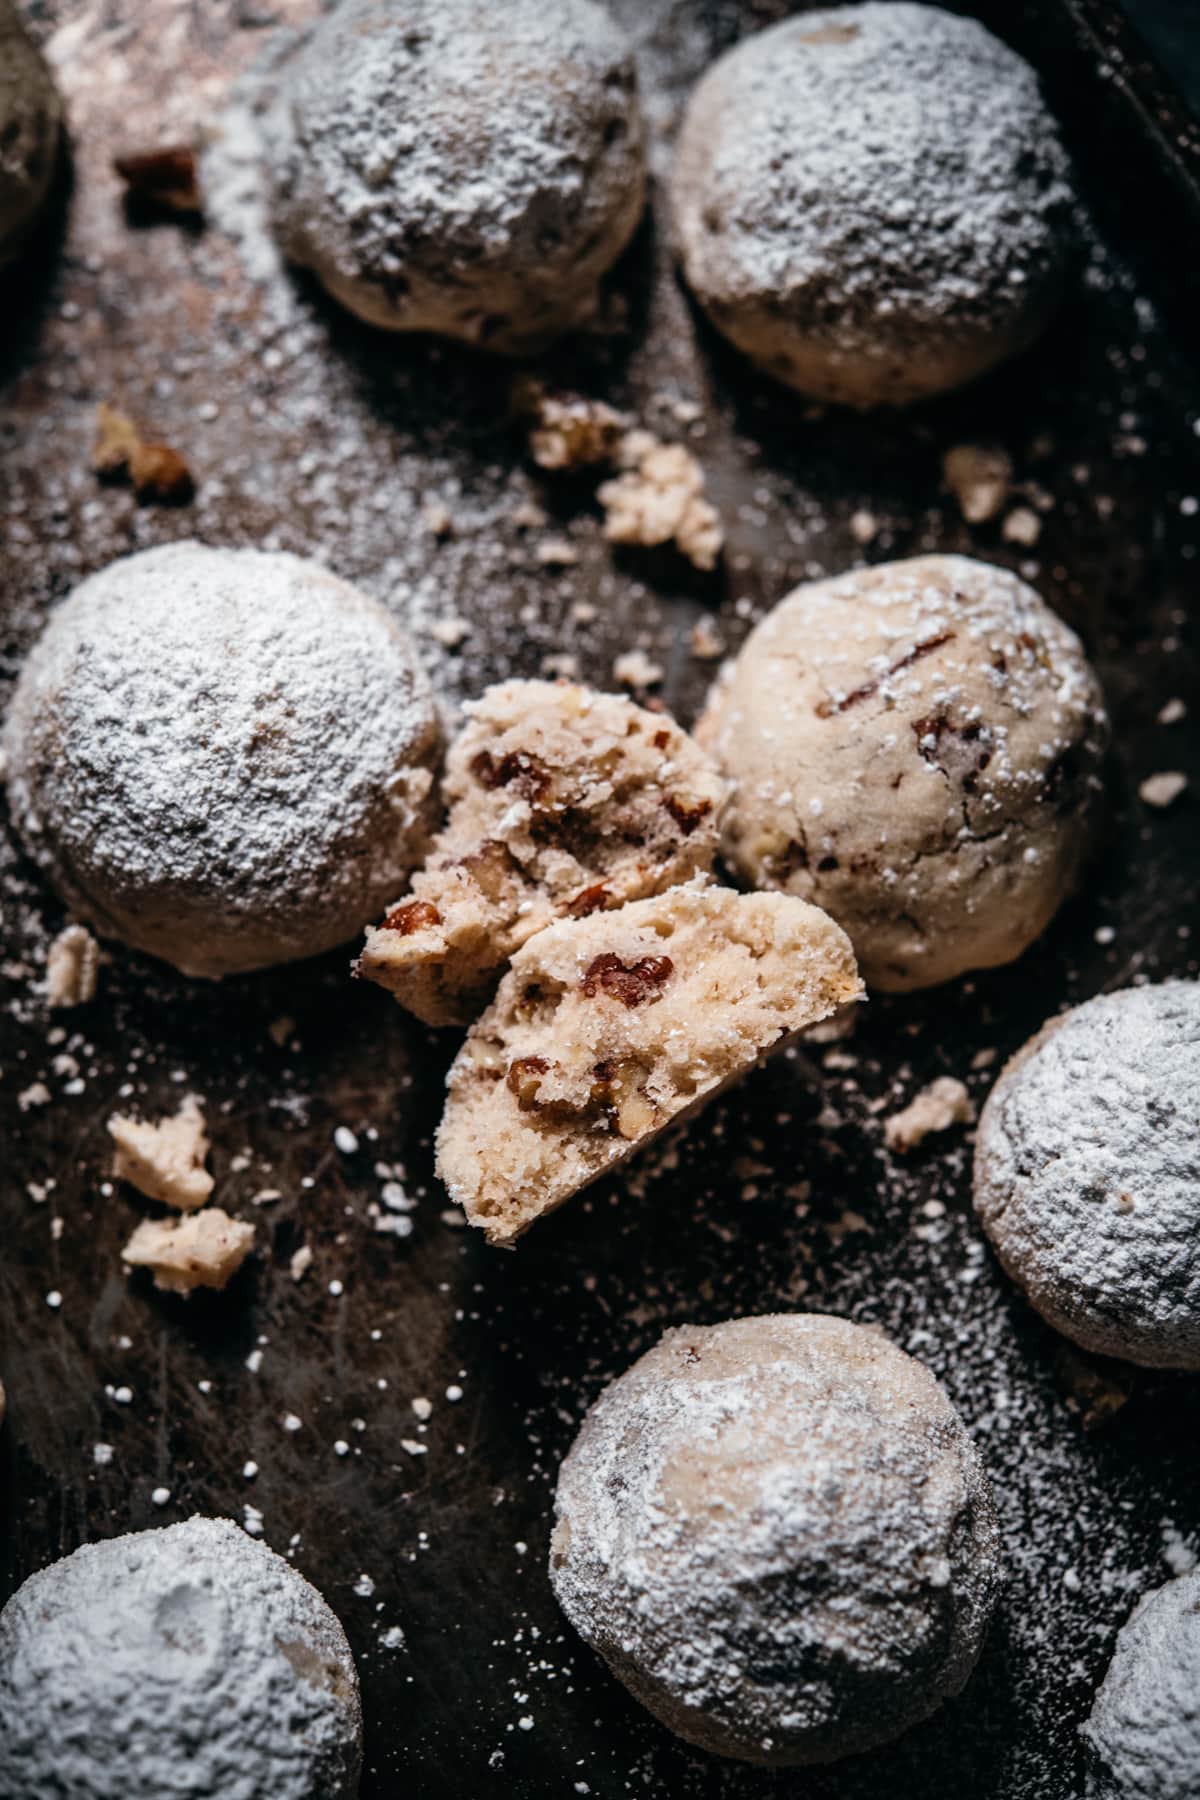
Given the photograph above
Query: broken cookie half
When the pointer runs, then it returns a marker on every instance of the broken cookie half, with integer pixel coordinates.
(563, 802)
(606, 1029)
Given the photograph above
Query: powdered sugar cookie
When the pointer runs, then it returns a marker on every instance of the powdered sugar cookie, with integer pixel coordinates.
(1144, 1727)
(563, 802)
(916, 748)
(190, 1661)
(873, 202)
(30, 128)
(1087, 1173)
(223, 757)
(464, 169)
(605, 1029)
(779, 1536)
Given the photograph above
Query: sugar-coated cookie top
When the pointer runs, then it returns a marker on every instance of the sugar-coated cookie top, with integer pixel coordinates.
(190, 1661)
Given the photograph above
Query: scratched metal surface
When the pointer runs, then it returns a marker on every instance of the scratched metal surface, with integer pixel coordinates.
(307, 432)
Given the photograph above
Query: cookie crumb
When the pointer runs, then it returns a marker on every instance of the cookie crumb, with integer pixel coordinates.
(450, 632)
(72, 966)
(945, 1102)
(1163, 789)
(206, 1249)
(980, 478)
(659, 499)
(437, 518)
(301, 1262)
(705, 641)
(567, 431)
(556, 553)
(1022, 526)
(165, 1161)
(634, 669)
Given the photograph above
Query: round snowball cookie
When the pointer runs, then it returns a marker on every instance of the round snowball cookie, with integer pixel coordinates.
(1144, 1728)
(872, 202)
(779, 1536)
(222, 757)
(191, 1661)
(30, 129)
(1087, 1174)
(457, 167)
(917, 748)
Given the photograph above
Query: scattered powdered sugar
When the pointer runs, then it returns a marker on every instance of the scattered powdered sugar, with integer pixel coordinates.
(787, 1493)
(238, 1662)
(1144, 1729)
(1088, 1173)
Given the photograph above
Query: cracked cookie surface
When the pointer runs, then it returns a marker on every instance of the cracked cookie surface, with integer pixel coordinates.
(917, 748)
(562, 802)
(606, 1029)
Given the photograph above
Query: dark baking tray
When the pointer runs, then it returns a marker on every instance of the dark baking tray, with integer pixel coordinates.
(309, 432)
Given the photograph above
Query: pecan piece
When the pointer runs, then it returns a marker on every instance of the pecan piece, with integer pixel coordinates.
(163, 181)
(632, 984)
(524, 1080)
(587, 900)
(516, 770)
(618, 1091)
(687, 814)
(413, 915)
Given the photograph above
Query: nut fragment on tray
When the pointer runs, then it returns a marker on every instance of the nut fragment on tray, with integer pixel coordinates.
(606, 1029)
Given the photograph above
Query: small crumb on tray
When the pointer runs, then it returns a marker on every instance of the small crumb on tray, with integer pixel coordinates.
(72, 965)
(659, 499)
(1022, 526)
(980, 480)
(634, 669)
(567, 431)
(1163, 789)
(945, 1102)
(205, 1249)
(164, 1161)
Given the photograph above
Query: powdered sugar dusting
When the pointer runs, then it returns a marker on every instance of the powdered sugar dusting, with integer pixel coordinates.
(788, 1493)
(222, 810)
(450, 167)
(186, 1660)
(1087, 1173)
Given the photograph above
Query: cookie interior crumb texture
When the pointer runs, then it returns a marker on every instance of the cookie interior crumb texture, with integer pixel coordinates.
(873, 202)
(1087, 1173)
(778, 1534)
(30, 129)
(164, 1161)
(607, 1028)
(205, 1249)
(562, 802)
(463, 169)
(917, 748)
(188, 1661)
(1144, 1728)
(223, 757)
